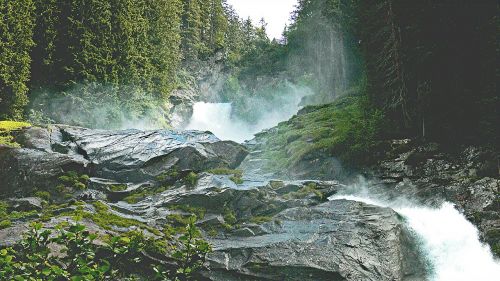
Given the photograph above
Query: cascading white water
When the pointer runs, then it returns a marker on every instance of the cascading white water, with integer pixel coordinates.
(450, 242)
(216, 118)
(219, 119)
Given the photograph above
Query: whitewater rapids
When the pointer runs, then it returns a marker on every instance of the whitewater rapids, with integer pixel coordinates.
(448, 240)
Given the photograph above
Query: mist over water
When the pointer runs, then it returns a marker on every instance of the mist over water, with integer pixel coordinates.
(448, 240)
(222, 120)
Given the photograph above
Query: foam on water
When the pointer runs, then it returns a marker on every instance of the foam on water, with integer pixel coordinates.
(451, 243)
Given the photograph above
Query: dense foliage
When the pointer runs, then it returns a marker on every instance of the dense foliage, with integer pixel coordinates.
(16, 31)
(430, 66)
(72, 253)
(121, 58)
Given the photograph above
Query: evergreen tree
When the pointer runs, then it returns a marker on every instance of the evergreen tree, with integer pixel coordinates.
(191, 29)
(16, 32)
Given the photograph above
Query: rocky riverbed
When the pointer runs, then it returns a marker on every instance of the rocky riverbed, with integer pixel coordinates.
(260, 228)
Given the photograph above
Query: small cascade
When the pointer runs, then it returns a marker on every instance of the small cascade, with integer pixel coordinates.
(449, 241)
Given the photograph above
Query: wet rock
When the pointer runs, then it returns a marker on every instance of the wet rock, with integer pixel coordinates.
(12, 235)
(131, 156)
(337, 240)
(23, 170)
(135, 156)
(26, 204)
(243, 232)
(430, 174)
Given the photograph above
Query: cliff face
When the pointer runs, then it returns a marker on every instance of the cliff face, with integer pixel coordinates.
(431, 173)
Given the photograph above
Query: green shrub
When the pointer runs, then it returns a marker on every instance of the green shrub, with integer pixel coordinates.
(229, 216)
(118, 258)
(191, 179)
(43, 195)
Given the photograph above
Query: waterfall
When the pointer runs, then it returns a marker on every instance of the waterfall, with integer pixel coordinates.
(449, 241)
(216, 118)
(220, 119)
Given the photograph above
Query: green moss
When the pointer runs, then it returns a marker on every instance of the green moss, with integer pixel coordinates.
(276, 184)
(5, 224)
(105, 219)
(23, 215)
(311, 188)
(72, 180)
(236, 180)
(3, 208)
(80, 186)
(6, 127)
(138, 195)
(344, 129)
(170, 175)
(45, 195)
(224, 171)
(170, 231)
(197, 211)
(212, 232)
(191, 179)
(229, 216)
(236, 175)
(178, 219)
(48, 211)
(261, 219)
(118, 187)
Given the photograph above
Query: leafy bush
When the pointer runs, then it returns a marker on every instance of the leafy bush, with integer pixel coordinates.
(73, 254)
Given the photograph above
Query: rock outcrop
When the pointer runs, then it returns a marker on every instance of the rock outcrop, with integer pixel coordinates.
(127, 157)
(336, 240)
(468, 177)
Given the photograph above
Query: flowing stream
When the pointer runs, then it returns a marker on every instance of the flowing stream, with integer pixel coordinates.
(449, 241)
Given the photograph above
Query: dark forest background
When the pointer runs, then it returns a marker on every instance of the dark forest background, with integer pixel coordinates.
(428, 67)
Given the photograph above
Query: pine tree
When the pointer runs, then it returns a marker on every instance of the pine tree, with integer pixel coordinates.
(16, 32)
(191, 29)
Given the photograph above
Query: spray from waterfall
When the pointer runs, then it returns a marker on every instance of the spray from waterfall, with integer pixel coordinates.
(448, 240)
(222, 120)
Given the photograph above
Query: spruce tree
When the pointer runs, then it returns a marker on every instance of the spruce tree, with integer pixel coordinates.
(16, 32)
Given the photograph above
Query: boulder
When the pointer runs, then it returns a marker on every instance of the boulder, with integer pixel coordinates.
(26, 204)
(336, 240)
(128, 157)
